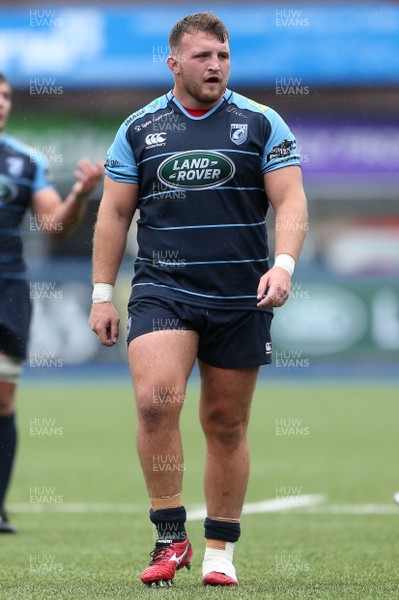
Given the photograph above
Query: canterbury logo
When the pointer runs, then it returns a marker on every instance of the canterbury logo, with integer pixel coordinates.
(155, 138)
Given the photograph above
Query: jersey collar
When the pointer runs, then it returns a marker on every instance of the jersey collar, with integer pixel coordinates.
(171, 98)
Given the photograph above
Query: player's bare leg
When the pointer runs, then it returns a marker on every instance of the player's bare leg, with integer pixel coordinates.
(7, 447)
(226, 396)
(7, 398)
(160, 363)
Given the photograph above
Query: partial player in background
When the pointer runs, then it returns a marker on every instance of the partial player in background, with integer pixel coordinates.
(203, 287)
(24, 185)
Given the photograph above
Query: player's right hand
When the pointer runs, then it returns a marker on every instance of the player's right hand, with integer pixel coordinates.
(88, 176)
(104, 321)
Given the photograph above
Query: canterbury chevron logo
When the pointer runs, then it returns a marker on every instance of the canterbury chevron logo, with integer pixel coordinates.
(155, 139)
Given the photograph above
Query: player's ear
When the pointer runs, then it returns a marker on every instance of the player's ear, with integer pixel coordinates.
(173, 64)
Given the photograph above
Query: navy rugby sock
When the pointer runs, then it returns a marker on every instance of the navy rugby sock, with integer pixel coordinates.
(222, 530)
(170, 523)
(8, 444)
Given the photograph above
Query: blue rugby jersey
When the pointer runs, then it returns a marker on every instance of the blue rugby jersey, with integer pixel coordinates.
(201, 234)
(22, 174)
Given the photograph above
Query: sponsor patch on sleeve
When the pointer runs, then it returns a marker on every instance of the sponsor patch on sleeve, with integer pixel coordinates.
(281, 150)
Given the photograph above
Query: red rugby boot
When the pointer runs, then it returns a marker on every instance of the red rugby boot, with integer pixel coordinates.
(167, 558)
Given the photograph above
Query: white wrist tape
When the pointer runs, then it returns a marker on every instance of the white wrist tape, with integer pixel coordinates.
(102, 292)
(285, 261)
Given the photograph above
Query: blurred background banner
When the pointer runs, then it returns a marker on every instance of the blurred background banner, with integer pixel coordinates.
(355, 159)
(88, 46)
(330, 70)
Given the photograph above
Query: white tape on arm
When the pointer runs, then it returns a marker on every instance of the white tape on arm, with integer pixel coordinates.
(10, 368)
(285, 261)
(102, 292)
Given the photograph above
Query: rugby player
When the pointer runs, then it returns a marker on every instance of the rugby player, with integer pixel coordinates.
(24, 185)
(202, 164)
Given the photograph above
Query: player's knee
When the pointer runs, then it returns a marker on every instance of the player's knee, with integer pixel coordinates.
(158, 404)
(150, 417)
(227, 430)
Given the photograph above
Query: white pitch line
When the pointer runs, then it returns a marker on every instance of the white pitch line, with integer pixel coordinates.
(76, 507)
(196, 514)
(285, 503)
(266, 506)
(353, 509)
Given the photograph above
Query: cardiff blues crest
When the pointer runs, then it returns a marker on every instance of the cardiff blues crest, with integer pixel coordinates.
(15, 165)
(238, 133)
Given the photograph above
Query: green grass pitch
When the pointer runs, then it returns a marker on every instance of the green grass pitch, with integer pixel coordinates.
(337, 441)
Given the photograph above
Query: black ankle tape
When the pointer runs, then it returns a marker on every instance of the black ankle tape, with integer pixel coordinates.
(220, 530)
(170, 523)
(168, 515)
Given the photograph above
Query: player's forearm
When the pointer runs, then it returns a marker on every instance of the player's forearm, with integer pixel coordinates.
(68, 214)
(108, 249)
(291, 226)
(57, 216)
(115, 215)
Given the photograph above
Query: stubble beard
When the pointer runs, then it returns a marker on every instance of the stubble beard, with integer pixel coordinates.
(203, 97)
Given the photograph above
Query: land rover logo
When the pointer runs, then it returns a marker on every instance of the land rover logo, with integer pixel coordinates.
(196, 170)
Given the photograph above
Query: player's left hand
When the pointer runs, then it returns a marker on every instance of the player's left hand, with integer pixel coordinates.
(104, 321)
(88, 176)
(276, 284)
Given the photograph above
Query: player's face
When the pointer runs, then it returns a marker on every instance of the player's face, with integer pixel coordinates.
(201, 66)
(5, 103)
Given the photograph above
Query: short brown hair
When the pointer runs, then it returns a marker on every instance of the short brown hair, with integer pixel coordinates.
(203, 21)
(3, 78)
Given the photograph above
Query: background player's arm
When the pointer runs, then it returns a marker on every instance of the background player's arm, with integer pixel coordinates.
(285, 191)
(115, 215)
(51, 210)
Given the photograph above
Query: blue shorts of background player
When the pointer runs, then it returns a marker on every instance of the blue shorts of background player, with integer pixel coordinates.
(15, 316)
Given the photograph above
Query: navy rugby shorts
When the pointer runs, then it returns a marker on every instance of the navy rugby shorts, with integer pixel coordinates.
(228, 339)
(15, 316)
